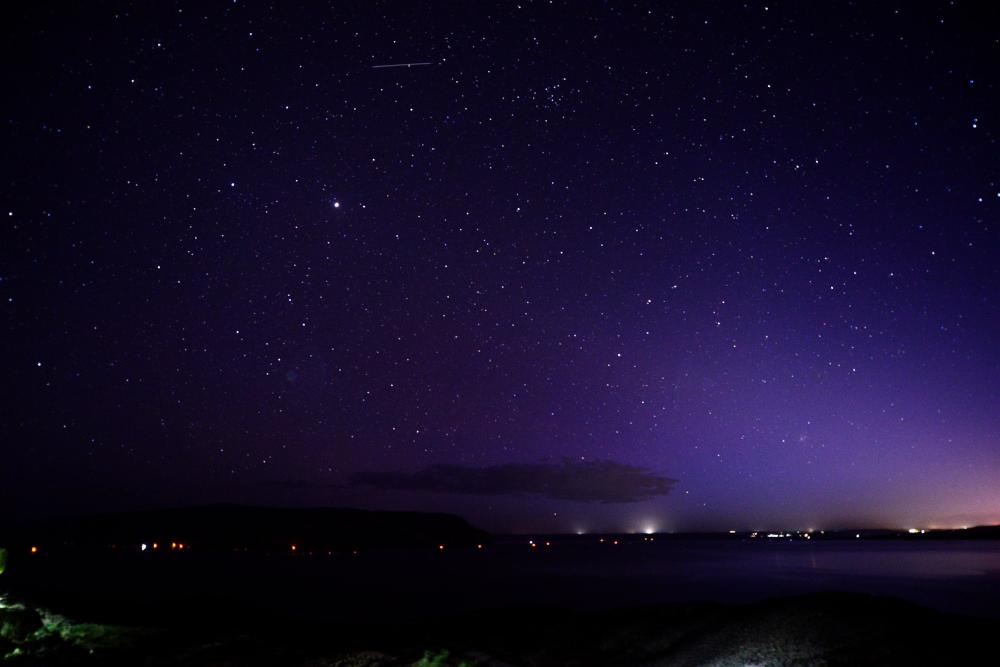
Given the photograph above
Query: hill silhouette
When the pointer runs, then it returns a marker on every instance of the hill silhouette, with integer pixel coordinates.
(227, 527)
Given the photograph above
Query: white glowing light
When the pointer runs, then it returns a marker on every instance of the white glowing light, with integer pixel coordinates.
(143, 546)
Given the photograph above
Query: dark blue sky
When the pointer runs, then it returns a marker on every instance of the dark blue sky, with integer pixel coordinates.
(751, 248)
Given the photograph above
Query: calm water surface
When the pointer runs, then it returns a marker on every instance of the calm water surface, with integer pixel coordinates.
(954, 576)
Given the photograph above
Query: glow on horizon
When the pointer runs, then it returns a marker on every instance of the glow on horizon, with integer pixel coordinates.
(649, 526)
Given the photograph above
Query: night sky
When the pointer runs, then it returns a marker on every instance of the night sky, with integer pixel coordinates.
(587, 266)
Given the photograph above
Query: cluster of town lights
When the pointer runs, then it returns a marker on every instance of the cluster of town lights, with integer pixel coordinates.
(155, 546)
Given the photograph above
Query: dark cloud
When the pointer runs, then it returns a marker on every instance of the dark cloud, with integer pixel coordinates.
(582, 481)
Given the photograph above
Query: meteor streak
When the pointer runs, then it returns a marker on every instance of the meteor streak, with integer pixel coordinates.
(401, 65)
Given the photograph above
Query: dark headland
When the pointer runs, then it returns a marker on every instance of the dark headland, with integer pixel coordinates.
(236, 527)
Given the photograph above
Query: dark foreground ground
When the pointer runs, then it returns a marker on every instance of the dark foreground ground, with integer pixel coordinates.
(568, 603)
(819, 629)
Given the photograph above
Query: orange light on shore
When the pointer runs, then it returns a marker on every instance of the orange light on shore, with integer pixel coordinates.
(173, 545)
(479, 546)
(440, 547)
(34, 549)
(155, 545)
(180, 546)
(295, 547)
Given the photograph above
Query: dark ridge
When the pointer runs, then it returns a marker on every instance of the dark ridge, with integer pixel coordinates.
(228, 527)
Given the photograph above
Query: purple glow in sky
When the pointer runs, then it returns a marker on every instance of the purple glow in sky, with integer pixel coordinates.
(613, 266)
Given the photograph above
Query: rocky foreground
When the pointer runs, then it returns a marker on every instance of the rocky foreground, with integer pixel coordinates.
(813, 630)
